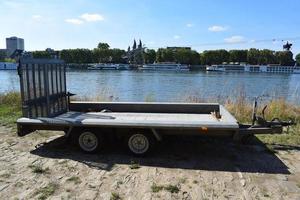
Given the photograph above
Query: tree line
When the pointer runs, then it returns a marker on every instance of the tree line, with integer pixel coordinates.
(104, 54)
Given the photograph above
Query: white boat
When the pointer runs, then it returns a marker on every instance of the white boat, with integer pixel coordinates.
(215, 68)
(165, 66)
(108, 66)
(254, 68)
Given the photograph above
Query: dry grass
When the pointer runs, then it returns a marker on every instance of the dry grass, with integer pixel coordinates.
(45, 192)
(10, 108)
(170, 188)
(240, 107)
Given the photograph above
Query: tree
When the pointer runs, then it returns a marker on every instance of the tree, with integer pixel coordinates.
(214, 57)
(238, 56)
(253, 56)
(41, 54)
(103, 46)
(101, 55)
(2, 55)
(150, 56)
(298, 59)
(117, 56)
(186, 56)
(285, 58)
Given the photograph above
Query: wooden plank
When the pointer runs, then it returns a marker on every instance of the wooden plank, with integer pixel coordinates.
(156, 120)
(29, 110)
(34, 89)
(21, 75)
(46, 89)
(40, 88)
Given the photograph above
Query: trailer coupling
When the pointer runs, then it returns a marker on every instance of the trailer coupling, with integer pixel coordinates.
(262, 126)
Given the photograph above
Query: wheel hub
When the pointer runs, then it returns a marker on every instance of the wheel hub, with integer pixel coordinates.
(138, 143)
(88, 141)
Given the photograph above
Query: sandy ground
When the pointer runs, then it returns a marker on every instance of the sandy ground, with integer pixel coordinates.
(40, 166)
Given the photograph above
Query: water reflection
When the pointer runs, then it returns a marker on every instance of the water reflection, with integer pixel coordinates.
(172, 86)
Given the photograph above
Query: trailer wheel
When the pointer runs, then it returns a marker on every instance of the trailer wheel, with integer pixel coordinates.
(140, 144)
(89, 142)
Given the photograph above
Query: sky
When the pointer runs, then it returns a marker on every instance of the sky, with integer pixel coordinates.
(200, 24)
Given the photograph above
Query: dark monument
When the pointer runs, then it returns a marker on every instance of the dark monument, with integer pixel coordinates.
(135, 56)
(287, 46)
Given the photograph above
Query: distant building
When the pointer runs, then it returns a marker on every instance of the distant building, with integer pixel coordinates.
(135, 56)
(14, 44)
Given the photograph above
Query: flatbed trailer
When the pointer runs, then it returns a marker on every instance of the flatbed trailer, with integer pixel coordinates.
(46, 106)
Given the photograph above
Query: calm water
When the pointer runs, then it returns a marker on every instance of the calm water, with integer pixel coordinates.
(171, 86)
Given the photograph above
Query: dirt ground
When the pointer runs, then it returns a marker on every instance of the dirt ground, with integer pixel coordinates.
(45, 166)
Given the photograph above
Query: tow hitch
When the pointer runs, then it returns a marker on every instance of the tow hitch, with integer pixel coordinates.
(262, 126)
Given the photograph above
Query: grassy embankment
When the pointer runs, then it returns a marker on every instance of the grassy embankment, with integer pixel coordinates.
(10, 110)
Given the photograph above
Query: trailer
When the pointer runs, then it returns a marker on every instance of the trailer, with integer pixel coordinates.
(46, 105)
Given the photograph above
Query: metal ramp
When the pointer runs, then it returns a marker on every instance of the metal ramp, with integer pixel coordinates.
(43, 87)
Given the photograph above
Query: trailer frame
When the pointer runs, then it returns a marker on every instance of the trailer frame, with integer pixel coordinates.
(46, 105)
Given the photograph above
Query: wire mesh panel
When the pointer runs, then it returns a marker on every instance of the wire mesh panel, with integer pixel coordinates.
(43, 87)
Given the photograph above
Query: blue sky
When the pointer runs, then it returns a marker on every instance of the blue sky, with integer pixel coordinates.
(202, 24)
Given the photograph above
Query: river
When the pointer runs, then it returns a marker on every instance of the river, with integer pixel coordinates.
(171, 86)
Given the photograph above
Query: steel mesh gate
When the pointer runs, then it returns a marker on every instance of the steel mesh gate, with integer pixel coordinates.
(43, 87)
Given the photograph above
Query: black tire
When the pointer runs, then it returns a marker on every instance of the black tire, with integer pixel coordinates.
(89, 141)
(140, 143)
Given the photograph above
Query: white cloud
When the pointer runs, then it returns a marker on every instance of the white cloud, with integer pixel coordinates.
(216, 28)
(74, 21)
(37, 17)
(176, 37)
(235, 39)
(189, 25)
(92, 17)
(13, 4)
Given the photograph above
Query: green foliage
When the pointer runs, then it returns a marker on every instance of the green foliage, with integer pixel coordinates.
(75, 179)
(134, 165)
(46, 191)
(214, 57)
(38, 169)
(97, 55)
(180, 55)
(115, 196)
(238, 56)
(41, 54)
(156, 188)
(117, 56)
(150, 56)
(285, 58)
(170, 188)
(298, 59)
(251, 56)
(103, 46)
(9, 60)
(78, 56)
(2, 55)
(10, 108)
